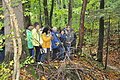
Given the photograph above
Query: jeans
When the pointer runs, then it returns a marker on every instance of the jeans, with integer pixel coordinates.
(54, 54)
(61, 55)
(45, 56)
(68, 50)
(31, 51)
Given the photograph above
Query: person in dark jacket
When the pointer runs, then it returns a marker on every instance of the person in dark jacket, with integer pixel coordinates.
(63, 47)
(69, 38)
(63, 38)
(55, 43)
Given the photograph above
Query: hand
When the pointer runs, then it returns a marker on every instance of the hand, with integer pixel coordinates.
(57, 43)
(51, 37)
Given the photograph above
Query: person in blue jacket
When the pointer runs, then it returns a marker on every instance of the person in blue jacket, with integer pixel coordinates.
(63, 38)
(55, 43)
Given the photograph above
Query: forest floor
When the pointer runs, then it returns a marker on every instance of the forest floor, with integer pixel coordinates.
(82, 68)
(79, 67)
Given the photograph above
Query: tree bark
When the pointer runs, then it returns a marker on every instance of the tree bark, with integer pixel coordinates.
(8, 45)
(19, 16)
(118, 36)
(81, 28)
(70, 13)
(46, 13)
(51, 12)
(17, 42)
(101, 35)
(108, 42)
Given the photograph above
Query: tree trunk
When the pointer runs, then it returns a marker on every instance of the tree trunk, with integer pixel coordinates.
(70, 13)
(101, 35)
(17, 42)
(40, 13)
(51, 12)
(46, 13)
(8, 45)
(19, 16)
(108, 42)
(26, 17)
(81, 29)
(118, 36)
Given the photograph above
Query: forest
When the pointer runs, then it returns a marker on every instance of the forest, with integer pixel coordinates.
(33, 47)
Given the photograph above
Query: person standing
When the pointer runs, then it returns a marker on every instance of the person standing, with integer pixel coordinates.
(69, 38)
(36, 40)
(29, 40)
(55, 43)
(46, 37)
(63, 38)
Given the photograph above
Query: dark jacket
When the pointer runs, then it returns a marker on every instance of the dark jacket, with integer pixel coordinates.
(69, 38)
(63, 38)
(55, 41)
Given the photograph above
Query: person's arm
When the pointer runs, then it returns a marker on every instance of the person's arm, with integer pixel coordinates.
(46, 38)
(72, 37)
(28, 36)
(33, 37)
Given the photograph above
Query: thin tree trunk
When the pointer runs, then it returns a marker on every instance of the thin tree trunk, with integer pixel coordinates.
(46, 13)
(15, 50)
(70, 13)
(118, 36)
(81, 29)
(51, 12)
(101, 35)
(17, 40)
(108, 41)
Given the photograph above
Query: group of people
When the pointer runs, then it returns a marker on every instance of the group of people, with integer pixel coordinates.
(46, 43)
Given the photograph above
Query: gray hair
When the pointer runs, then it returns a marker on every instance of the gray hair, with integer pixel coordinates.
(54, 28)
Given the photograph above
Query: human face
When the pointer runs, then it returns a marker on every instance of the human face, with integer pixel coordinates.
(68, 28)
(37, 27)
(62, 32)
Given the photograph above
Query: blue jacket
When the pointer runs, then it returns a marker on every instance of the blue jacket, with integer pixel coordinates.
(63, 38)
(55, 40)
